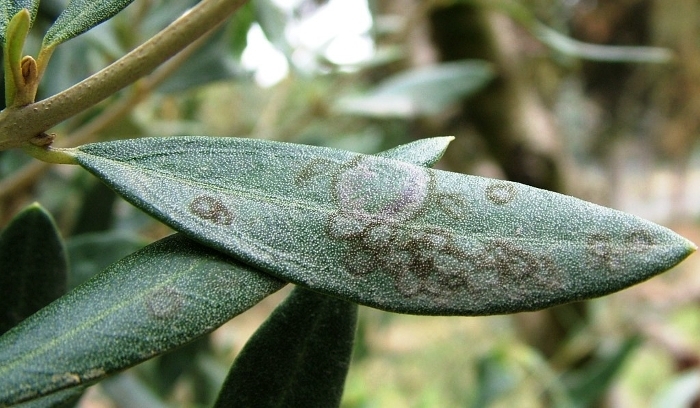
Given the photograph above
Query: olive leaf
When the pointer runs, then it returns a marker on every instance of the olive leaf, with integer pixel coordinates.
(298, 358)
(9, 8)
(33, 265)
(80, 16)
(382, 232)
(152, 301)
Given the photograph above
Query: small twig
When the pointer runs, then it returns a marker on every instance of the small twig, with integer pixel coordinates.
(18, 125)
(28, 174)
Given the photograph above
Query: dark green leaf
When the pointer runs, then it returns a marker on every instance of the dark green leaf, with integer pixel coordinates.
(152, 301)
(8, 9)
(589, 384)
(33, 266)
(92, 253)
(385, 233)
(422, 91)
(298, 358)
(61, 399)
(80, 16)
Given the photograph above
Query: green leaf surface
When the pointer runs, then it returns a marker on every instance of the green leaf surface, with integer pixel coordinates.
(92, 253)
(80, 16)
(422, 91)
(33, 266)
(62, 399)
(135, 311)
(385, 233)
(8, 9)
(152, 301)
(298, 358)
(588, 385)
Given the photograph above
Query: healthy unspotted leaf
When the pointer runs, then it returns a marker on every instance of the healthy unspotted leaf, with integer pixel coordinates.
(422, 91)
(9, 8)
(385, 233)
(80, 16)
(298, 358)
(33, 265)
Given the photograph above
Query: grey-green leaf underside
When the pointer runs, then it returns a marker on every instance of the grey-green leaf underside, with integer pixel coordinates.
(385, 233)
(8, 9)
(80, 16)
(150, 302)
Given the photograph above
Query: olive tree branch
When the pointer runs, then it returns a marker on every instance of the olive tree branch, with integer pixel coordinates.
(116, 112)
(18, 125)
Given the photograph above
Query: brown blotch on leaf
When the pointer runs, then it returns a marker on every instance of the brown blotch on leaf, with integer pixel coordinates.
(601, 248)
(500, 192)
(640, 240)
(311, 170)
(165, 303)
(211, 209)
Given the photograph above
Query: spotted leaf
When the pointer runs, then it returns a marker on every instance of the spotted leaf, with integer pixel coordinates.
(382, 232)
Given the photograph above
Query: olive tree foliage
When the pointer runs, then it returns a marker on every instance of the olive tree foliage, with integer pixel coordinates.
(251, 216)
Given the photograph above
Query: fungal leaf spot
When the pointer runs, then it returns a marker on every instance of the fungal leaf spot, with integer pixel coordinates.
(452, 204)
(314, 168)
(165, 303)
(500, 192)
(211, 209)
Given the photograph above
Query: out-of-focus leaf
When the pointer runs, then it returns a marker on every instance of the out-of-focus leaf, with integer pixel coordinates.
(80, 16)
(239, 27)
(681, 392)
(33, 266)
(382, 232)
(150, 302)
(212, 62)
(298, 358)
(421, 91)
(574, 48)
(493, 380)
(589, 384)
(127, 391)
(96, 211)
(9, 8)
(92, 253)
(272, 20)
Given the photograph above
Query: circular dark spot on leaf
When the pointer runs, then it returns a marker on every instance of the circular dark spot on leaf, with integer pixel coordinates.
(500, 192)
(165, 303)
(211, 209)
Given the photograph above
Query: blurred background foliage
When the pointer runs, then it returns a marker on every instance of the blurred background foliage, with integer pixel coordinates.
(597, 99)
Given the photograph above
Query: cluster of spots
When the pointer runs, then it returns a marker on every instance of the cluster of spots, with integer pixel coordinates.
(165, 303)
(500, 192)
(610, 253)
(211, 209)
(427, 260)
(431, 263)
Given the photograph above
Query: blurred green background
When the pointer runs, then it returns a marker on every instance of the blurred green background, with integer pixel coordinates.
(596, 99)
